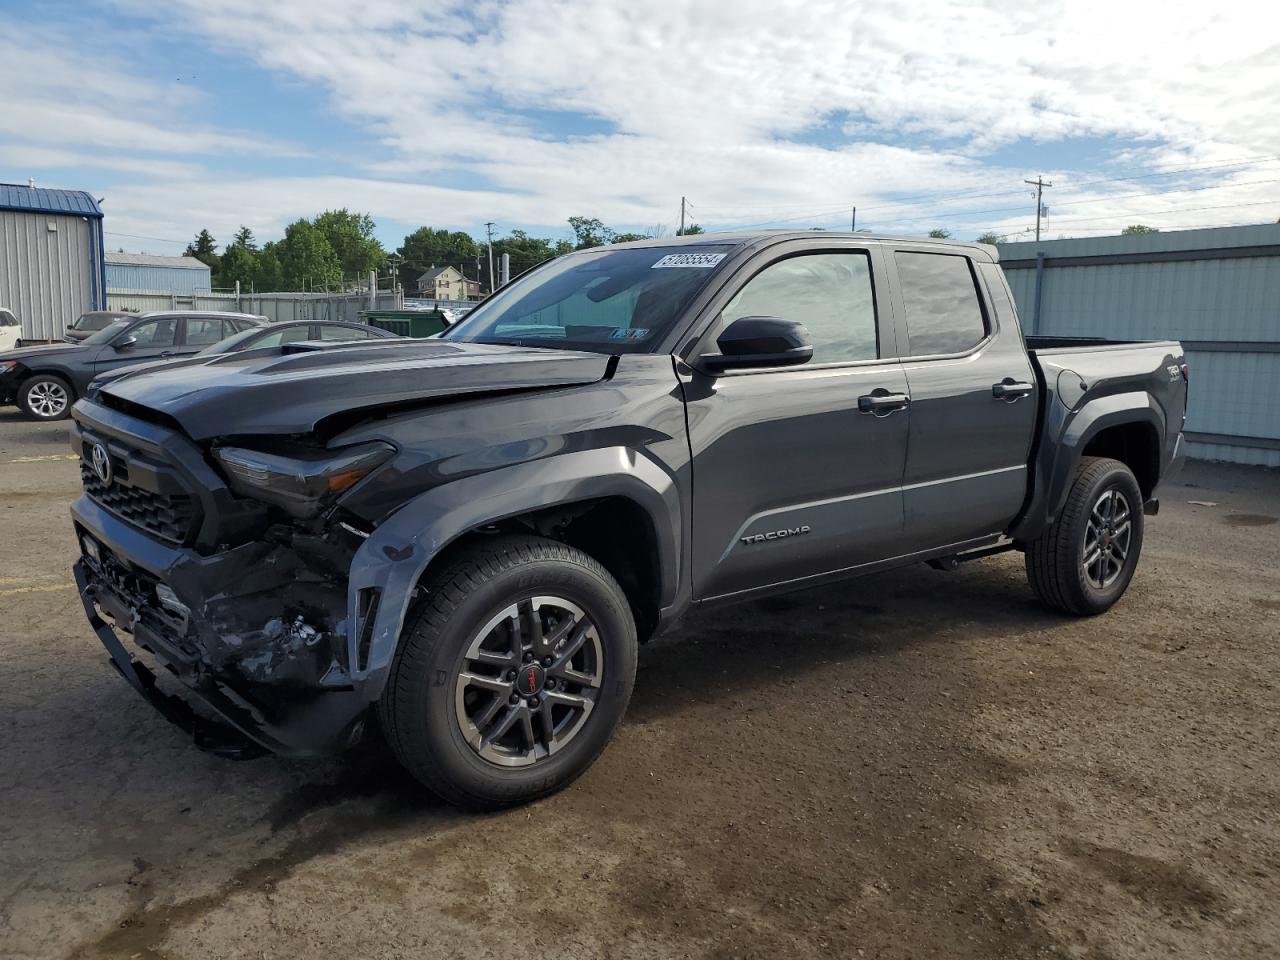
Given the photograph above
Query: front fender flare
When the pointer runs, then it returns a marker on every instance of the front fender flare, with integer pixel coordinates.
(391, 561)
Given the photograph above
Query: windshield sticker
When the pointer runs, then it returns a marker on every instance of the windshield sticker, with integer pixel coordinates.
(703, 261)
(625, 333)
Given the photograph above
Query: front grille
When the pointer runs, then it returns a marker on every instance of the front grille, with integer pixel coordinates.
(170, 517)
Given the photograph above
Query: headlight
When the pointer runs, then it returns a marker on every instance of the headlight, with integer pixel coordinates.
(302, 483)
(8, 366)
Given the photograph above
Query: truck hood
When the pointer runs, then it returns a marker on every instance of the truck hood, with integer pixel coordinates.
(291, 389)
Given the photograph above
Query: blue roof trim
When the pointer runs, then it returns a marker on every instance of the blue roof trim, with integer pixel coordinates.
(77, 203)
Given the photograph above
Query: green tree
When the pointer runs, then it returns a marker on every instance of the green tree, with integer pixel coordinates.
(690, 230)
(268, 275)
(351, 238)
(240, 263)
(427, 247)
(526, 251)
(627, 237)
(1137, 228)
(244, 238)
(589, 232)
(205, 249)
(307, 259)
(992, 237)
(940, 233)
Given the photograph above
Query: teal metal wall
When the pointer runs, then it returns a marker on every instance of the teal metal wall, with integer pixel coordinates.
(1217, 290)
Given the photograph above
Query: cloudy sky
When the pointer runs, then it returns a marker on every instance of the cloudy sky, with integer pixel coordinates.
(781, 113)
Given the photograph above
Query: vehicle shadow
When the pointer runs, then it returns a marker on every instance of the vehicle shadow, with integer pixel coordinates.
(21, 431)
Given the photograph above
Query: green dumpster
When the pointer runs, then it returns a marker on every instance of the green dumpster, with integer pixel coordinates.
(406, 323)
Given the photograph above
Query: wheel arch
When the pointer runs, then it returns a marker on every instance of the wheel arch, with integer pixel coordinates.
(552, 496)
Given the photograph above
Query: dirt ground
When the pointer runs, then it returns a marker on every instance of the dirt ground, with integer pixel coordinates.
(917, 764)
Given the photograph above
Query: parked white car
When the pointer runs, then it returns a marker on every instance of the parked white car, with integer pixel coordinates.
(10, 329)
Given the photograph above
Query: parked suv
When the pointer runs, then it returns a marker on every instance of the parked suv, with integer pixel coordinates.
(470, 535)
(45, 380)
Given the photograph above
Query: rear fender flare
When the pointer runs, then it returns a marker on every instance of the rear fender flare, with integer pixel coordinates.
(394, 557)
(1092, 419)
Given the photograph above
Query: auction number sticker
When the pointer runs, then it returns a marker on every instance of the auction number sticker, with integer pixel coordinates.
(703, 261)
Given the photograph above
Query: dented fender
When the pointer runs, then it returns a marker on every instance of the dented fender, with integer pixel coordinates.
(388, 566)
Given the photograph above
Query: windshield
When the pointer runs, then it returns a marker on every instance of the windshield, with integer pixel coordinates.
(94, 321)
(609, 300)
(107, 333)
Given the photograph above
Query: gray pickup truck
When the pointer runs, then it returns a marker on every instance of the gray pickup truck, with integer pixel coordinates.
(468, 537)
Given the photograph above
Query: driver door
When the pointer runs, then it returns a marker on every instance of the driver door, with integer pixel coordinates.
(792, 478)
(152, 340)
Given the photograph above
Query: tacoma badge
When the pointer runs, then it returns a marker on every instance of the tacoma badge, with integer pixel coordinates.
(776, 534)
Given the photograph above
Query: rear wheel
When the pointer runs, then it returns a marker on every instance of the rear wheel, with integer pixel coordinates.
(1083, 563)
(512, 674)
(46, 397)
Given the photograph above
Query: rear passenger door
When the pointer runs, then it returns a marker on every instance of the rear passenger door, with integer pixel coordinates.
(973, 401)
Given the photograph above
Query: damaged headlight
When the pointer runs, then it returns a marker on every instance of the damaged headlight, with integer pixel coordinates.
(300, 483)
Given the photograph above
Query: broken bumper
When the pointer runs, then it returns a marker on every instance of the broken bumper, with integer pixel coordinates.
(290, 692)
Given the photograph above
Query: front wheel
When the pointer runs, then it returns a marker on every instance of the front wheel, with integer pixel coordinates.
(1083, 562)
(45, 397)
(512, 674)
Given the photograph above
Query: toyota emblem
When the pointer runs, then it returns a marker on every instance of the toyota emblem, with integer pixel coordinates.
(101, 462)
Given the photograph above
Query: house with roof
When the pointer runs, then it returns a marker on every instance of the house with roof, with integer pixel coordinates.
(446, 283)
(52, 268)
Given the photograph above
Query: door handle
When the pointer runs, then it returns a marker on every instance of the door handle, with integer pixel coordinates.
(881, 403)
(1010, 390)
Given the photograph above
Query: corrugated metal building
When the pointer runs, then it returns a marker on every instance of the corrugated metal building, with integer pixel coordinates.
(1216, 290)
(141, 271)
(51, 266)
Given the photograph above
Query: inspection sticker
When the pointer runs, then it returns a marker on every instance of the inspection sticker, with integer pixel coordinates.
(703, 261)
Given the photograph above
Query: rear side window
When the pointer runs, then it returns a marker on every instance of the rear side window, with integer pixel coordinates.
(275, 338)
(830, 293)
(202, 332)
(943, 311)
(343, 333)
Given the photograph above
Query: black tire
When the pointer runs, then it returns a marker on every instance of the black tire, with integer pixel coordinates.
(421, 710)
(46, 397)
(1056, 561)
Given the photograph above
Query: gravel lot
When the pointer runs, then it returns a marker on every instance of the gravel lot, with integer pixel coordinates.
(917, 764)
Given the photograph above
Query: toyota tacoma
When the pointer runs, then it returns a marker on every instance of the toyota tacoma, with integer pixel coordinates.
(467, 537)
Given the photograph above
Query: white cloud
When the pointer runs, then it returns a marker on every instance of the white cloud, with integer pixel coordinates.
(709, 100)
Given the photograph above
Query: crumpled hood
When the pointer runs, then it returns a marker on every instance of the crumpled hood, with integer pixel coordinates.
(290, 389)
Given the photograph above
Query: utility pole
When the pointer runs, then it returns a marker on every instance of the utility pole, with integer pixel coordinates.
(853, 221)
(489, 228)
(1039, 183)
(682, 203)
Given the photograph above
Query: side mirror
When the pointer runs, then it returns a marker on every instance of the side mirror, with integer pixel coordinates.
(759, 342)
(125, 343)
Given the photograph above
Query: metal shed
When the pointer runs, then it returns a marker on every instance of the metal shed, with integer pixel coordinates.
(51, 257)
(141, 271)
(1216, 290)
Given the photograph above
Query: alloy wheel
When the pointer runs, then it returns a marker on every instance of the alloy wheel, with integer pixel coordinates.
(47, 399)
(1107, 539)
(529, 680)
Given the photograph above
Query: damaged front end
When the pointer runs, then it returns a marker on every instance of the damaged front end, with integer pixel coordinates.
(255, 633)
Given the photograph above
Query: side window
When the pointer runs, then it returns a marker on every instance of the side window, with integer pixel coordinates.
(276, 337)
(155, 333)
(343, 333)
(204, 331)
(830, 293)
(944, 314)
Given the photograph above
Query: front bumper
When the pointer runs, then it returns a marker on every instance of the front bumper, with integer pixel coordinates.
(238, 693)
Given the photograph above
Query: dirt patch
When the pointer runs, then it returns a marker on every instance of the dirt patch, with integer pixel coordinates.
(1248, 519)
